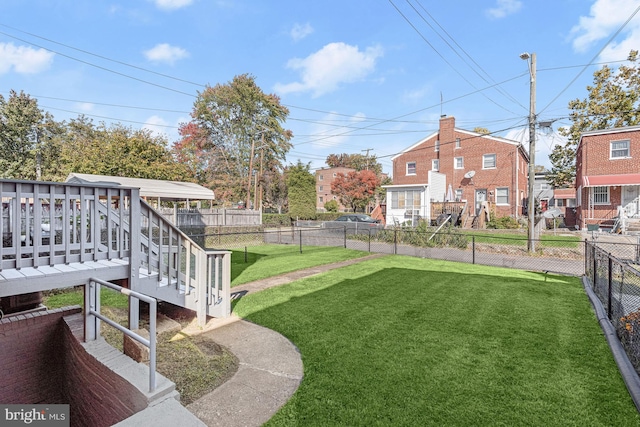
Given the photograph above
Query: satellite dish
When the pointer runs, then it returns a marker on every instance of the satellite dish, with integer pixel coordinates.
(469, 174)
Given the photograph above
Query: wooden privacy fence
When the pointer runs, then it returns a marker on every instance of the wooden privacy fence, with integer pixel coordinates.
(189, 218)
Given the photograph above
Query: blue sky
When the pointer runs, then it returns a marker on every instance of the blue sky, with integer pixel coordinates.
(357, 75)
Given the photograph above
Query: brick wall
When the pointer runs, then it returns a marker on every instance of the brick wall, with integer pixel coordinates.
(510, 171)
(97, 396)
(324, 178)
(31, 358)
(42, 362)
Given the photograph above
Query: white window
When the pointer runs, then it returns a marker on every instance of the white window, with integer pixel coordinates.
(320, 188)
(405, 199)
(619, 149)
(502, 196)
(458, 163)
(489, 161)
(458, 194)
(600, 195)
(458, 143)
(411, 168)
(571, 203)
(437, 147)
(321, 177)
(321, 199)
(559, 203)
(435, 165)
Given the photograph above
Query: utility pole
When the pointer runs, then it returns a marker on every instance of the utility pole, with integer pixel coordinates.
(367, 156)
(253, 146)
(531, 208)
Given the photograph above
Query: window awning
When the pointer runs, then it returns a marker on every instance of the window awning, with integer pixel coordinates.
(564, 193)
(611, 180)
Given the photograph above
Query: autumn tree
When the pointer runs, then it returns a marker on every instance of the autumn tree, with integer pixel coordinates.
(354, 161)
(239, 129)
(356, 189)
(301, 191)
(613, 100)
(26, 134)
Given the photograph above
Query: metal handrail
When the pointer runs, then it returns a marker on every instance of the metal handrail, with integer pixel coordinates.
(92, 308)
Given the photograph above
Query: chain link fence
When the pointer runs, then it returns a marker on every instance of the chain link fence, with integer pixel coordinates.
(562, 255)
(613, 271)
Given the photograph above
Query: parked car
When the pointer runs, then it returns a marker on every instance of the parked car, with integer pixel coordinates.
(358, 218)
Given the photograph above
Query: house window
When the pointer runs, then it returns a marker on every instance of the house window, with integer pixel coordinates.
(458, 194)
(502, 196)
(571, 203)
(458, 143)
(435, 165)
(321, 199)
(411, 168)
(321, 177)
(619, 149)
(437, 147)
(489, 161)
(405, 199)
(559, 203)
(600, 195)
(458, 163)
(320, 188)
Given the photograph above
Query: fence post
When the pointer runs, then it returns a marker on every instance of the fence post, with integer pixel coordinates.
(369, 240)
(473, 249)
(586, 258)
(395, 242)
(595, 265)
(610, 279)
(300, 240)
(345, 237)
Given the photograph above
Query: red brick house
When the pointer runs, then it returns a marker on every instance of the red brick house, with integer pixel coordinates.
(479, 168)
(324, 178)
(607, 175)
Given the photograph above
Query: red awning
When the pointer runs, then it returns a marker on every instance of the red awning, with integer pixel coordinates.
(611, 180)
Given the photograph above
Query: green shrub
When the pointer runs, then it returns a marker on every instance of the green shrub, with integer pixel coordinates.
(331, 206)
(503, 222)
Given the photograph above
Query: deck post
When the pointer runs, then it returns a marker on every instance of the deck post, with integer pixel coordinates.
(135, 229)
(203, 277)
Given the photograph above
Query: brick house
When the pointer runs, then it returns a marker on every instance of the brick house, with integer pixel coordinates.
(607, 175)
(324, 178)
(480, 168)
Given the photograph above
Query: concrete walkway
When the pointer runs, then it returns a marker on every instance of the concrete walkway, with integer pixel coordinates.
(270, 367)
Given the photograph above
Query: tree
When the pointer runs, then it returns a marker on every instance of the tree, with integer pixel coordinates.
(238, 124)
(481, 130)
(117, 150)
(26, 135)
(301, 191)
(355, 189)
(331, 206)
(354, 161)
(613, 100)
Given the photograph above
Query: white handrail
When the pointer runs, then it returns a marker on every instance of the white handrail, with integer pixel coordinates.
(93, 317)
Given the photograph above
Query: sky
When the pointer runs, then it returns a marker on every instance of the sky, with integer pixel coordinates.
(358, 76)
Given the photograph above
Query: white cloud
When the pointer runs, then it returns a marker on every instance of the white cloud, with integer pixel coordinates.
(85, 107)
(504, 8)
(605, 17)
(172, 4)
(325, 70)
(157, 125)
(23, 59)
(164, 52)
(299, 31)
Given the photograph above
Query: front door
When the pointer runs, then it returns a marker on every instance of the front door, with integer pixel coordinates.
(631, 200)
(481, 196)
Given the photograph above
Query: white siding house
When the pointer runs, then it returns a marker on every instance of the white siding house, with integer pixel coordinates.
(411, 202)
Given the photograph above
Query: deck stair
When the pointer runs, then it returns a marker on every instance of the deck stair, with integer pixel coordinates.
(57, 235)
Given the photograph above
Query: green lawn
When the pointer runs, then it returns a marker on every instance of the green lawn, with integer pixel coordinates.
(408, 341)
(264, 261)
(546, 240)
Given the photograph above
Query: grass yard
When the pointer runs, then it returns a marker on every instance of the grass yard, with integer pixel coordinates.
(271, 260)
(407, 341)
(546, 240)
